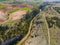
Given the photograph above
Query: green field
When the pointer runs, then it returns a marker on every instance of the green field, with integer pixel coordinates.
(2, 6)
(14, 10)
(25, 8)
(10, 22)
(15, 28)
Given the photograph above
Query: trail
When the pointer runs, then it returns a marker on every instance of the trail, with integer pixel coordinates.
(29, 31)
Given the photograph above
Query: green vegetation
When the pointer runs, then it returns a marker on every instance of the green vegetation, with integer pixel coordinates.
(12, 11)
(10, 29)
(57, 9)
(2, 0)
(10, 22)
(2, 6)
(53, 21)
(54, 26)
(25, 8)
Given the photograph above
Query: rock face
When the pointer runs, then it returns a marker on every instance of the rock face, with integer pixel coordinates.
(2, 16)
(17, 15)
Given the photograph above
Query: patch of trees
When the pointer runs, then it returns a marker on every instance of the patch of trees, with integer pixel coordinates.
(19, 28)
(58, 22)
(34, 12)
(53, 21)
(3, 27)
(57, 9)
(43, 5)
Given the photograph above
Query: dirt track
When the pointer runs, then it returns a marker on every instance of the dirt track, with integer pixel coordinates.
(36, 36)
(28, 34)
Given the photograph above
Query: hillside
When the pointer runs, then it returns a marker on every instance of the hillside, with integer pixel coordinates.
(17, 24)
(26, 23)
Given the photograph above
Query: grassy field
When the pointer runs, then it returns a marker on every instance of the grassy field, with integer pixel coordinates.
(14, 10)
(10, 22)
(2, 6)
(25, 8)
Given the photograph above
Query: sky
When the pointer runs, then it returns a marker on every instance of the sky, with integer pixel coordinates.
(51, 0)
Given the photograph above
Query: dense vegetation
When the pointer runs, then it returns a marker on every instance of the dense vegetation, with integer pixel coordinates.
(25, 8)
(13, 33)
(13, 10)
(2, 6)
(57, 9)
(53, 21)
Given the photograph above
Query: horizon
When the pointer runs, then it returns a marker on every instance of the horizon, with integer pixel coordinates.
(51, 0)
(31, 0)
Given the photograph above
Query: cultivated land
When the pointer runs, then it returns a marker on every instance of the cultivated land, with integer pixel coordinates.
(12, 11)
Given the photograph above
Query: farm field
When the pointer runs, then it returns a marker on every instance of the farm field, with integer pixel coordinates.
(13, 12)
